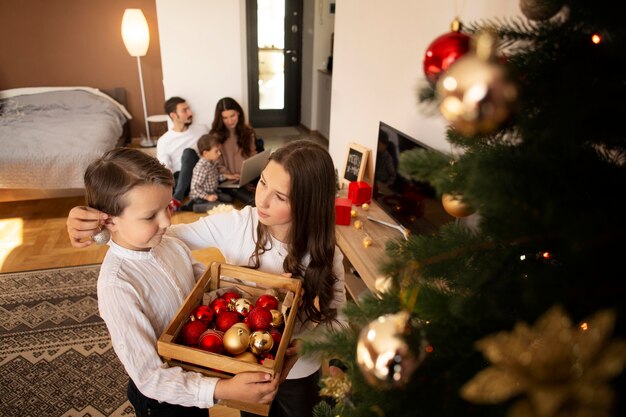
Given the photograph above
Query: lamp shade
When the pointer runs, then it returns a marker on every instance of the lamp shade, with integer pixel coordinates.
(135, 32)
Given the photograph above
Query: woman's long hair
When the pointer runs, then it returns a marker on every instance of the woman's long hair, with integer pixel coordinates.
(242, 130)
(312, 231)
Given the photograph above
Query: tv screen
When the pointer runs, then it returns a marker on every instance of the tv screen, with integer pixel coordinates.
(412, 204)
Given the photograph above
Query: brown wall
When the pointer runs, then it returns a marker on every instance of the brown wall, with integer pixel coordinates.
(79, 43)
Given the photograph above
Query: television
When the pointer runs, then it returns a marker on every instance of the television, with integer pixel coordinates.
(413, 204)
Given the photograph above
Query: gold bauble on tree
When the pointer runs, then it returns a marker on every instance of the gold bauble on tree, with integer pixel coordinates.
(384, 357)
(454, 205)
(476, 93)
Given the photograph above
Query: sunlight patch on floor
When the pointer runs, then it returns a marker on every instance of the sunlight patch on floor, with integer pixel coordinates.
(11, 236)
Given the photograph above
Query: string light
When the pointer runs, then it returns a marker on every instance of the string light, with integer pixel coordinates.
(595, 38)
(584, 326)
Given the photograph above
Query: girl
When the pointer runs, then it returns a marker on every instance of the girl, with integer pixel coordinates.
(292, 230)
(238, 142)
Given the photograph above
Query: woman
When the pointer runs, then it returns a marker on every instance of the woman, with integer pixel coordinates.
(238, 143)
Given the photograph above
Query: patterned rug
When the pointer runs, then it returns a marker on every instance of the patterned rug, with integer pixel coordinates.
(56, 358)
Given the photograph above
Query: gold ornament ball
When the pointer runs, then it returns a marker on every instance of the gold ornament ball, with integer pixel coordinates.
(383, 284)
(247, 356)
(241, 325)
(367, 242)
(365, 206)
(242, 306)
(261, 341)
(236, 340)
(277, 318)
(353, 213)
(476, 93)
(453, 205)
(358, 225)
(383, 356)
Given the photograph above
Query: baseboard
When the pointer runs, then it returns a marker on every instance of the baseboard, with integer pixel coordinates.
(22, 194)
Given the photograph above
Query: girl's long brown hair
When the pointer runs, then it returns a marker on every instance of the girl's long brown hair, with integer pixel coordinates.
(312, 231)
(242, 130)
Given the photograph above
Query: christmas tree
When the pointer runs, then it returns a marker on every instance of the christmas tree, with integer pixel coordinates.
(522, 314)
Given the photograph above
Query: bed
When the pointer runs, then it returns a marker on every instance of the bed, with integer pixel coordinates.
(48, 136)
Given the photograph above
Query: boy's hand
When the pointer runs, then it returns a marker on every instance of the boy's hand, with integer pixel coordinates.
(250, 387)
(232, 176)
(82, 223)
(211, 197)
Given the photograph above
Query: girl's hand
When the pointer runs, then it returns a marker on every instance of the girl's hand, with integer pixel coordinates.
(291, 357)
(250, 387)
(82, 223)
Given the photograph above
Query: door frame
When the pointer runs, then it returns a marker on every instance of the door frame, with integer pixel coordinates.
(290, 115)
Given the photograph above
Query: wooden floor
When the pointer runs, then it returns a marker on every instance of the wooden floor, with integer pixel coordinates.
(33, 236)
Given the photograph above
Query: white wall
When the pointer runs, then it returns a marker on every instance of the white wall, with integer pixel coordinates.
(377, 69)
(203, 52)
(318, 25)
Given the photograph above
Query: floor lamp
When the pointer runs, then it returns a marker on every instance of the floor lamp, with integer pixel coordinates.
(136, 36)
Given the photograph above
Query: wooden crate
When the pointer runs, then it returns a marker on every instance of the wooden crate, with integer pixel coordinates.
(220, 275)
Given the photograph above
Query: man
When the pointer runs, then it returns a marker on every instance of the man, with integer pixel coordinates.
(177, 149)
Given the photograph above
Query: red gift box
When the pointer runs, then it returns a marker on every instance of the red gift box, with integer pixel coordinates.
(360, 192)
(343, 207)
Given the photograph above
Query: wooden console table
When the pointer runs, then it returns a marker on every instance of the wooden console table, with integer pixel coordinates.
(365, 261)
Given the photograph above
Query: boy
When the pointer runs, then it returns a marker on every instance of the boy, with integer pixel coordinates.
(204, 193)
(144, 279)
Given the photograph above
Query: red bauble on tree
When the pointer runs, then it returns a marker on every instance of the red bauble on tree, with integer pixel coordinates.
(444, 51)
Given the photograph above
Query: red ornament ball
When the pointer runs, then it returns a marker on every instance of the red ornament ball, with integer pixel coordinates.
(231, 296)
(265, 356)
(203, 313)
(259, 318)
(267, 301)
(191, 332)
(443, 52)
(211, 341)
(219, 305)
(276, 335)
(225, 320)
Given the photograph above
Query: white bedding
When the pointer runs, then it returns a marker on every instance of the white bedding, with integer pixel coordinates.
(48, 138)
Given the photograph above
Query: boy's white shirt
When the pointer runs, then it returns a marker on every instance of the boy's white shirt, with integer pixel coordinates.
(138, 295)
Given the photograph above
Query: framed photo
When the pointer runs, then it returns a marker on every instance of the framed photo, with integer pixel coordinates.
(356, 162)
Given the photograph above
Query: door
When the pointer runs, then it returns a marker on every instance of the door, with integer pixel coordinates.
(274, 61)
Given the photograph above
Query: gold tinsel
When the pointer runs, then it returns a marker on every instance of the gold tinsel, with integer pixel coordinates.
(556, 368)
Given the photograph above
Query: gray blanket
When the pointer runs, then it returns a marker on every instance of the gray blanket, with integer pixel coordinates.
(48, 139)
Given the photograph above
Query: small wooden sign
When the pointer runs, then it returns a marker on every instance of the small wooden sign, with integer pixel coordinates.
(356, 161)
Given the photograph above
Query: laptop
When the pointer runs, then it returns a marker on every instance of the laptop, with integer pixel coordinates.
(250, 169)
